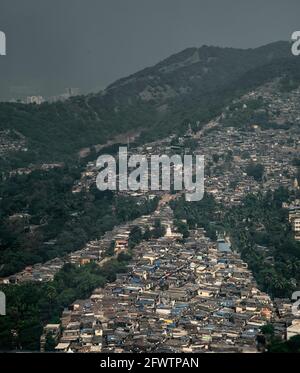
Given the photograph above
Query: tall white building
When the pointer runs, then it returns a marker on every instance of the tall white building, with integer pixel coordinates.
(296, 227)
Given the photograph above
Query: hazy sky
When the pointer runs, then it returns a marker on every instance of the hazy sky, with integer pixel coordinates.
(53, 44)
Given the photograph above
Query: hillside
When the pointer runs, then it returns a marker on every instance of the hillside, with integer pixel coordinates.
(193, 84)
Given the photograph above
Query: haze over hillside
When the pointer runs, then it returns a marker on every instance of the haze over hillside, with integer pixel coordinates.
(66, 43)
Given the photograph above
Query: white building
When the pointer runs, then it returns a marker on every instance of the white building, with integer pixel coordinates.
(296, 227)
(293, 329)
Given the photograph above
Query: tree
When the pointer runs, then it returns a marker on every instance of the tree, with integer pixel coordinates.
(123, 257)
(182, 228)
(245, 155)
(147, 234)
(50, 343)
(215, 158)
(292, 345)
(110, 251)
(255, 170)
(268, 330)
(135, 236)
(158, 230)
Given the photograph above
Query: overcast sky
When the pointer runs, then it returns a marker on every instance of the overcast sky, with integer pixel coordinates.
(53, 44)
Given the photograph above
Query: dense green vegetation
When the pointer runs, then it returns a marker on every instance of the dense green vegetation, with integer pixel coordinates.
(191, 86)
(57, 131)
(290, 346)
(197, 214)
(259, 230)
(40, 217)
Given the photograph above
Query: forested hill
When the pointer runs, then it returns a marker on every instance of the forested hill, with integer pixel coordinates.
(193, 84)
